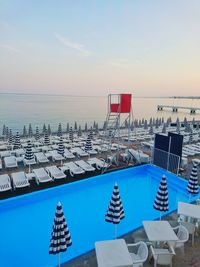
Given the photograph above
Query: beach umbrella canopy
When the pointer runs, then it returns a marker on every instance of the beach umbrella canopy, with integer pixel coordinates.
(193, 187)
(71, 135)
(190, 137)
(25, 132)
(115, 212)
(67, 129)
(91, 133)
(11, 138)
(4, 130)
(7, 133)
(44, 128)
(49, 129)
(46, 139)
(145, 125)
(37, 134)
(161, 200)
(164, 130)
(151, 130)
(30, 131)
(88, 144)
(60, 236)
(59, 130)
(17, 142)
(79, 131)
(75, 126)
(29, 153)
(86, 127)
(61, 147)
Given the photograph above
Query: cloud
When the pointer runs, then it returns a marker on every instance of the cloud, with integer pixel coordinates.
(75, 46)
(10, 48)
(119, 63)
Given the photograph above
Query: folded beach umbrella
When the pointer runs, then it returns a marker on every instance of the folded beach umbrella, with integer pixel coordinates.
(67, 128)
(193, 187)
(164, 130)
(46, 139)
(37, 134)
(30, 131)
(29, 154)
(59, 129)
(71, 135)
(25, 132)
(11, 138)
(60, 236)
(115, 212)
(44, 128)
(61, 147)
(79, 133)
(88, 144)
(151, 129)
(190, 137)
(17, 142)
(91, 133)
(49, 129)
(161, 200)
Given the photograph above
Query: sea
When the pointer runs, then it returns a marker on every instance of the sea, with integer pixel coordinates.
(17, 110)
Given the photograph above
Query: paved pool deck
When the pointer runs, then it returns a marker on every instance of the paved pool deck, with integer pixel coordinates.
(190, 259)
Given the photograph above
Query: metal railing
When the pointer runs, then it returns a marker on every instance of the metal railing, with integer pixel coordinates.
(166, 160)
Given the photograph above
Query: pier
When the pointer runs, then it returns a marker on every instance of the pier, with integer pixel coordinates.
(176, 108)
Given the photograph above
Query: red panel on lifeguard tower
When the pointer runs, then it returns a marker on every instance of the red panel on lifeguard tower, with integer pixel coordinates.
(124, 106)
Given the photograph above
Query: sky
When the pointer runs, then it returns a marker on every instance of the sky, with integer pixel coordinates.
(146, 47)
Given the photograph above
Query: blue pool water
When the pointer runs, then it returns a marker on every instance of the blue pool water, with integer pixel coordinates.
(26, 221)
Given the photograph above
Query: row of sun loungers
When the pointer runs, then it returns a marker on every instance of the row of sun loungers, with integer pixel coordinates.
(50, 173)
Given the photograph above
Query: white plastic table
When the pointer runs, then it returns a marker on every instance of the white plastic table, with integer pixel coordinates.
(189, 210)
(159, 231)
(113, 253)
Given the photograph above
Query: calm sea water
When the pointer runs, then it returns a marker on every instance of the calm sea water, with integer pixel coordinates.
(17, 110)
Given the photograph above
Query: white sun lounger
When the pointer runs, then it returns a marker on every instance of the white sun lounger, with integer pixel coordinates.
(99, 163)
(6, 153)
(55, 173)
(41, 176)
(5, 183)
(85, 166)
(56, 156)
(68, 154)
(73, 168)
(139, 156)
(10, 162)
(19, 152)
(19, 180)
(29, 162)
(41, 158)
(79, 152)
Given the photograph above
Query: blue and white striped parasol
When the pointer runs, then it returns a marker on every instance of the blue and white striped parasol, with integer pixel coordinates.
(193, 187)
(61, 148)
(161, 200)
(60, 236)
(115, 212)
(59, 130)
(29, 154)
(37, 134)
(46, 139)
(71, 134)
(17, 143)
(88, 144)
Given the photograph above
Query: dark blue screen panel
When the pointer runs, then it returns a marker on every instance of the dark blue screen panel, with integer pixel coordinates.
(176, 144)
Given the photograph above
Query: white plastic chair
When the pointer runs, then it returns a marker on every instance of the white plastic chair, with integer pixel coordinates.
(162, 256)
(183, 236)
(141, 254)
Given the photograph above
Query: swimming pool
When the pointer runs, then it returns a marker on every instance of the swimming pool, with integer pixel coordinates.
(26, 221)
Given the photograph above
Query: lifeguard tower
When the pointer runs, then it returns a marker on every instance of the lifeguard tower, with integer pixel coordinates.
(118, 117)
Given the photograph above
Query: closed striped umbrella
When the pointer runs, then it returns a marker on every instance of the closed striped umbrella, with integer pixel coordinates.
(17, 143)
(91, 133)
(59, 130)
(44, 128)
(151, 129)
(161, 200)
(79, 131)
(11, 138)
(46, 139)
(115, 212)
(37, 134)
(60, 236)
(88, 144)
(71, 134)
(193, 187)
(30, 131)
(25, 132)
(61, 148)
(29, 154)
(190, 136)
